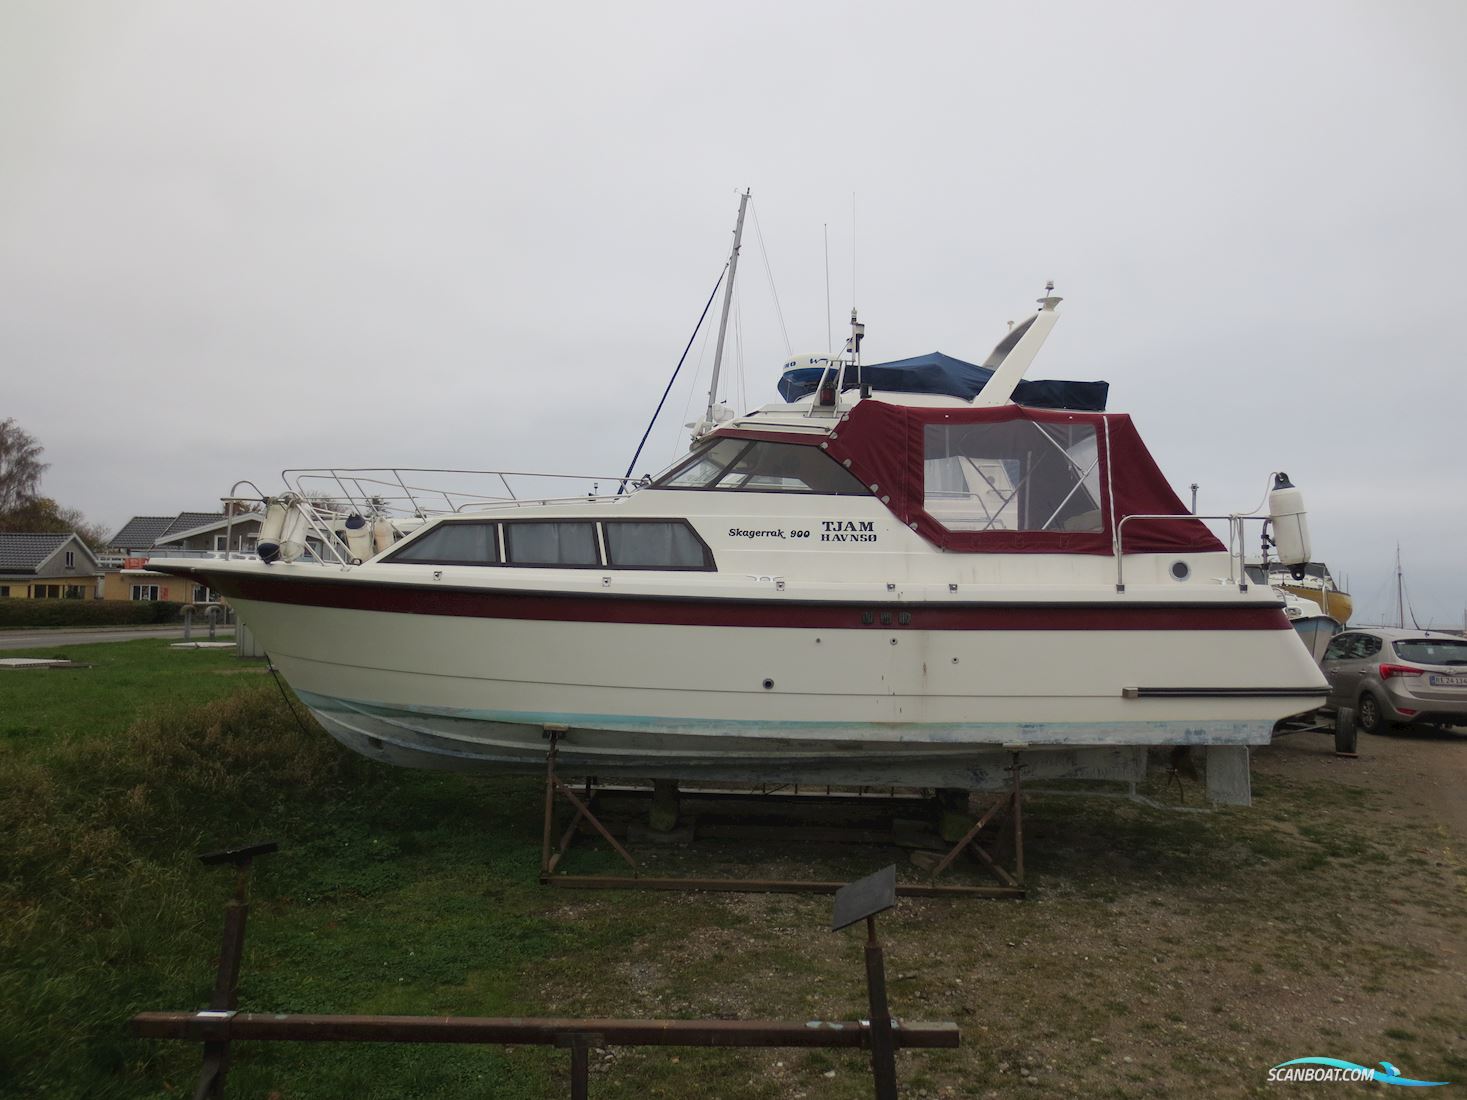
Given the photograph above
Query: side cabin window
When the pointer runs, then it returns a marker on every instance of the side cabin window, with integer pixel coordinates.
(653, 544)
(453, 543)
(630, 544)
(534, 543)
(1018, 475)
(759, 466)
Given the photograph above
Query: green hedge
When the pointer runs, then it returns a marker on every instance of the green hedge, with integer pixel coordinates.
(16, 613)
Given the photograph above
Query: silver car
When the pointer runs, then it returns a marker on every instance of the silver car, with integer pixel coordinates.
(1389, 675)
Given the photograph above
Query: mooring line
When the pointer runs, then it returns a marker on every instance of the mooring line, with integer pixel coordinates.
(275, 675)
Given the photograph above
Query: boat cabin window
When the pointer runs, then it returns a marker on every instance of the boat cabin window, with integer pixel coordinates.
(535, 543)
(451, 543)
(759, 466)
(639, 544)
(1019, 475)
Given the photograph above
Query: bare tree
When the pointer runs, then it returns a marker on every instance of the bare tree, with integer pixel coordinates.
(42, 515)
(20, 466)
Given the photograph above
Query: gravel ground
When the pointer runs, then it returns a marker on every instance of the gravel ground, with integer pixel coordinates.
(1160, 953)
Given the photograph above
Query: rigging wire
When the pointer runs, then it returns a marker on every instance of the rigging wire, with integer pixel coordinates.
(769, 273)
(701, 317)
(739, 351)
(275, 672)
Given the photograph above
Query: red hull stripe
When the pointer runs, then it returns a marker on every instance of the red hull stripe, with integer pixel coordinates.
(560, 607)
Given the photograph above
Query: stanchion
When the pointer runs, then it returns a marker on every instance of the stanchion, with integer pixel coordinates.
(225, 998)
(862, 900)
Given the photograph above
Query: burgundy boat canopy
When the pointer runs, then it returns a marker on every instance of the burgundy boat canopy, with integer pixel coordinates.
(1010, 479)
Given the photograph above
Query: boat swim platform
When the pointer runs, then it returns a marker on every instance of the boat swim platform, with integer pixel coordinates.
(799, 818)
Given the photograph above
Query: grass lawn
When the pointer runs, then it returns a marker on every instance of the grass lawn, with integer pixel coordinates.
(1160, 953)
(42, 709)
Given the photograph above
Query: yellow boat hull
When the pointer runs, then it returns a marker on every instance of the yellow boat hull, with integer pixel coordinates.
(1337, 605)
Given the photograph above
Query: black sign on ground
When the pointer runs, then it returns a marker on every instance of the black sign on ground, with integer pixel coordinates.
(864, 898)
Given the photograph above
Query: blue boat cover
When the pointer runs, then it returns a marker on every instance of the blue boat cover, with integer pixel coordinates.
(939, 373)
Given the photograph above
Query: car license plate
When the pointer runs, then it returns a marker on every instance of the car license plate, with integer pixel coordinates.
(1448, 681)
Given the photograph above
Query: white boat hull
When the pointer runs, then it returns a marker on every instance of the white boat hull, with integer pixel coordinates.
(852, 706)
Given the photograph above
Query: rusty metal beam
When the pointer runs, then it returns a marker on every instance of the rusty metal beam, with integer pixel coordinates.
(258, 1026)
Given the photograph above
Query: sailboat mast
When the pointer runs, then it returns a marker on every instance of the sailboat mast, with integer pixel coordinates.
(733, 267)
(1400, 592)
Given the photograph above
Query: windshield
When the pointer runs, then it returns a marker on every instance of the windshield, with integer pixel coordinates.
(759, 466)
(1433, 651)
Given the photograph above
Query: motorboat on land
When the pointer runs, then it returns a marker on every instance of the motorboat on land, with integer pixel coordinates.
(901, 576)
(1314, 627)
(1313, 581)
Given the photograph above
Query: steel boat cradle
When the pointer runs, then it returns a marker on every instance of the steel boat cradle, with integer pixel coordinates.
(903, 574)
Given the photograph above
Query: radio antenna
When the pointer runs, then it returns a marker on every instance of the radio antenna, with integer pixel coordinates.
(829, 334)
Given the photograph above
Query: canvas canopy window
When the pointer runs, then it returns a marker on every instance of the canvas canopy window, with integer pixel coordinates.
(1013, 476)
(1012, 479)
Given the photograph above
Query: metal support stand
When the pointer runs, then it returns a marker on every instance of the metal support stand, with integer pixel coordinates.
(1006, 812)
(1011, 802)
(225, 998)
(549, 859)
(580, 1067)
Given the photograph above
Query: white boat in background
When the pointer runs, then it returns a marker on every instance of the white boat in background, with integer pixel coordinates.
(899, 576)
(1314, 627)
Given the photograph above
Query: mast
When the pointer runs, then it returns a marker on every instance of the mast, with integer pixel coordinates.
(733, 267)
(1400, 592)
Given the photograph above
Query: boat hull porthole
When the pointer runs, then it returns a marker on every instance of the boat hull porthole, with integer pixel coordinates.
(1181, 570)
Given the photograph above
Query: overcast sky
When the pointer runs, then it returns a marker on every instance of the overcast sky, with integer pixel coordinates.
(235, 238)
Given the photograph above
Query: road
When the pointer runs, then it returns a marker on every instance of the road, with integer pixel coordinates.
(43, 639)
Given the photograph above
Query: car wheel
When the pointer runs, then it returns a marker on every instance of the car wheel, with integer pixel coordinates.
(1368, 715)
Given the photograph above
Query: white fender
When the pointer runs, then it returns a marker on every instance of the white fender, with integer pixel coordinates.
(383, 536)
(293, 534)
(1290, 521)
(267, 545)
(357, 535)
